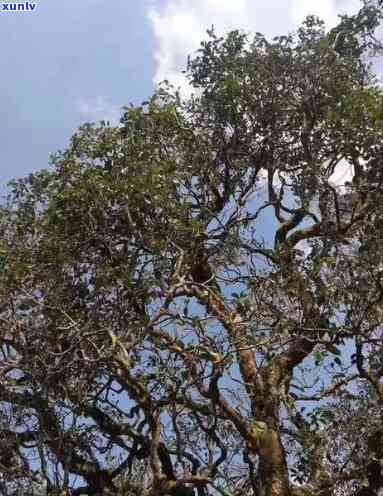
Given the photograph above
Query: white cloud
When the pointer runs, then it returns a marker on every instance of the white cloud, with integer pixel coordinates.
(98, 109)
(328, 10)
(180, 25)
(343, 173)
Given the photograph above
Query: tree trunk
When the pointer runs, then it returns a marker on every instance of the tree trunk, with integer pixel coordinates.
(272, 473)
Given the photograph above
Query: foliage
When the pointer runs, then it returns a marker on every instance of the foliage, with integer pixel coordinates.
(155, 338)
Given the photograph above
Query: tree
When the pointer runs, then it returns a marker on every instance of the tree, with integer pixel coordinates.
(154, 339)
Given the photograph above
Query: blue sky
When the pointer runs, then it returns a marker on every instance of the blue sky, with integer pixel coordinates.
(63, 64)
(74, 61)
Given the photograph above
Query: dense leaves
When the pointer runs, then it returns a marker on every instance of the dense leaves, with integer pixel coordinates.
(191, 302)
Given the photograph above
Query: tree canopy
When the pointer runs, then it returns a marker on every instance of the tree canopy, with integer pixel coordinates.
(190, 302)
